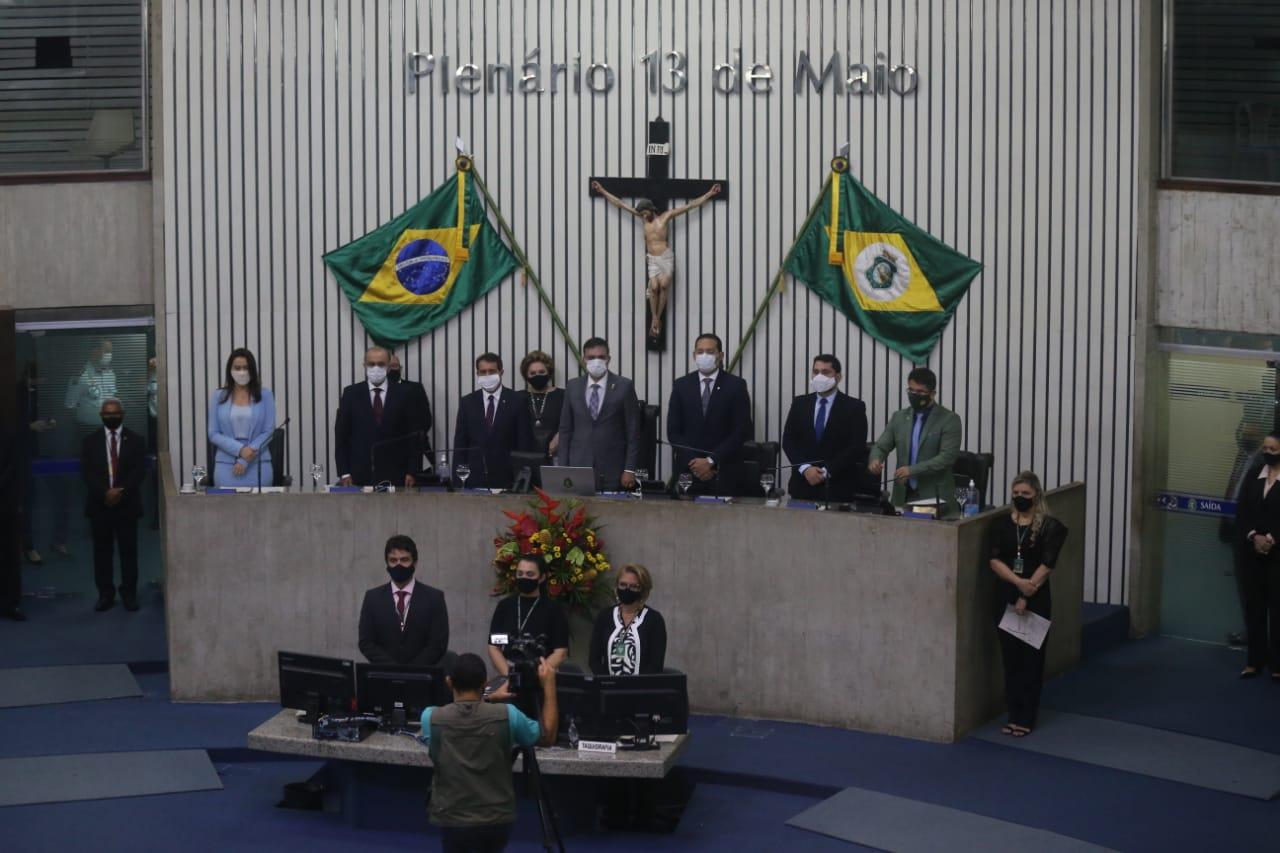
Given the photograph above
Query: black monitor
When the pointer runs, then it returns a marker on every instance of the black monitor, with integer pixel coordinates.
(574, 696)
(316, 684)
(624, 705)
(399, 694)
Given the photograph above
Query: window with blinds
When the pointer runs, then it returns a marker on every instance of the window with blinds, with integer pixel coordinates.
(72, 84)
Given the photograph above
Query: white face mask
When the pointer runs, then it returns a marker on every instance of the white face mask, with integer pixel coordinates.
(821, 383)
(105, 360)
(597, 367)
(375, 375)
(706, 362)
(489, 382)
(241, 377)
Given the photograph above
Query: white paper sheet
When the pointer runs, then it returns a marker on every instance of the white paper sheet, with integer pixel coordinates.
(1028, 627)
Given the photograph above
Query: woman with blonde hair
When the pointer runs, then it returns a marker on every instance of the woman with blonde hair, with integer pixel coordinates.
(1024, 549)
(542, 400)
(629, 638)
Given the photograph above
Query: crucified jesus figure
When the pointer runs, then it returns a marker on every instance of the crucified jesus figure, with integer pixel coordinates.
(660, 260)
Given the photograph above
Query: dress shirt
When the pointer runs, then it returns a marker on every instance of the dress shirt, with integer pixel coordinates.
(1262, 475)
(595, 383)
(111, 471)
(383, 388)
(408, 599)
(702, 383)
(496, 397)
(830, 397)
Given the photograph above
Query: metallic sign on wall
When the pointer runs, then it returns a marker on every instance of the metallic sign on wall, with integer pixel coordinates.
(666, 71)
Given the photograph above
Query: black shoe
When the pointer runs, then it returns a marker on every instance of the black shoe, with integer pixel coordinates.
(14, 613)
(104, 604)
(130, 602)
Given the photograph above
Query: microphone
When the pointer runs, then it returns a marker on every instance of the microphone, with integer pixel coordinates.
(270, 439)
(697, 450)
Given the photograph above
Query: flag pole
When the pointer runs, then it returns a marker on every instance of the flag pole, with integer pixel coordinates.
(778, 279)
(527, 270)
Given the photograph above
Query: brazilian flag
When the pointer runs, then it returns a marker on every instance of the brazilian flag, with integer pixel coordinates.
(895, 280)
(414, 273)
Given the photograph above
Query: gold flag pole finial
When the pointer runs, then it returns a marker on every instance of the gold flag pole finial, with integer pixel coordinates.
(839, 165)
(464, 165)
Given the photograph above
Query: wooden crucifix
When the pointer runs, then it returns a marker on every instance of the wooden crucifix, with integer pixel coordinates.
(652, 195)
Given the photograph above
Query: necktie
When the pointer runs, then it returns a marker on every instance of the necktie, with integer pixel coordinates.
(401, 595)
(594, 402)
(115, 459)
(377, 406)
(706, 395)
(488, 414)
(915, 445)
(820, 425)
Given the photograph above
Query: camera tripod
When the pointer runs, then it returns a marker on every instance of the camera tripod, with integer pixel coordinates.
(551, 839)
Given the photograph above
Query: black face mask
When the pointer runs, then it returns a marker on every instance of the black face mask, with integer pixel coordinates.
(400, 574)
(112, 421)
(539, 381)
(1272, 459)
(393, 375)
(628, 596)
(527, 586)
(1022, 504)
(919, 402)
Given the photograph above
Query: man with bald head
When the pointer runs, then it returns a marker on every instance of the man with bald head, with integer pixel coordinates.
(378, 437)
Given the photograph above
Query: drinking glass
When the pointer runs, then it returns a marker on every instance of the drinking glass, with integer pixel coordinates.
(463, 472)
(766, 482)
(684, 481)
(642, 474)
(317, 474)
(197, 475)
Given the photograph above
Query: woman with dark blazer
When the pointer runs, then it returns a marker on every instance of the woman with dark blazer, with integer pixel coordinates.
(1024, 547)
(1258, 526)
(242, 417)
(541, 401)
(629, 638)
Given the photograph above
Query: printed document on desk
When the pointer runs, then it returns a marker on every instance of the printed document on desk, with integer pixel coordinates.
(1028, 627)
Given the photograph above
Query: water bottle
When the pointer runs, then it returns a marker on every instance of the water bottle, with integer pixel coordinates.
(971, 500)
(573, 732)
(442, 467)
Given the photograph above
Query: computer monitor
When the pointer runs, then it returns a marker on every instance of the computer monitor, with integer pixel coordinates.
(574, 696)
(317, 685)
(399, 694)
(619, 705)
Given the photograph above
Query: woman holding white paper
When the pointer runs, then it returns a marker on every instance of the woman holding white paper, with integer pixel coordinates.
(1024, 548)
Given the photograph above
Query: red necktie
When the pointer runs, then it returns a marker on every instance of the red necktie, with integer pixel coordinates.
(401, 595)
(488, 414)
(377, 406)
(115, 459)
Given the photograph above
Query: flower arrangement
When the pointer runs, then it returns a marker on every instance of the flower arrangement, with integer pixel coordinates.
(565, 537)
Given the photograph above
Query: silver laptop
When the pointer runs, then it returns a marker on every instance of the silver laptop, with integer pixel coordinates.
(568, 481)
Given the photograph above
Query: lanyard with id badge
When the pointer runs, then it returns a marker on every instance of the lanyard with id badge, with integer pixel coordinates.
(1017, 561)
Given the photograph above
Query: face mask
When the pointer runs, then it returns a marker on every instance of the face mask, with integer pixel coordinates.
(821, 383)
(375, 375)
(628, 596)
(1271, 459)
(112, 421)
(919, 402)
(489, 383)
(400, 574)
(241, 377)
(597, 367)
(539, 381)
(393, 375)
(706, 362)
(105, 360)
(1022, 504)
(527, 586)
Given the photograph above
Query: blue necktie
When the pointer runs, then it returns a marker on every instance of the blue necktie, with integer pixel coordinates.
(915, 445)
(820, 425)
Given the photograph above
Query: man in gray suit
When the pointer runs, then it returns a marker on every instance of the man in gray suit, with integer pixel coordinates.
(600, 422)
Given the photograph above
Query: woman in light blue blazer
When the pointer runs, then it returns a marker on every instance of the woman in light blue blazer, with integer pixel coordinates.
(242, 416)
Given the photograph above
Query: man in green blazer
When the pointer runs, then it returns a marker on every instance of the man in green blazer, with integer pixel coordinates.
(927, 439)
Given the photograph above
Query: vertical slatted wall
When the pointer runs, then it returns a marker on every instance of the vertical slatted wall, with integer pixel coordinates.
(288, 131)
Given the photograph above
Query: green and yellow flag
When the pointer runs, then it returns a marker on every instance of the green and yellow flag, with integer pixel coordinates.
(413, 274)
(895, 280)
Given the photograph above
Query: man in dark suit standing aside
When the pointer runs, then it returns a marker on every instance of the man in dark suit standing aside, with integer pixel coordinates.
(377, 435)
(600, 422)
(404, 622)
(422, 419)
(490, 426)
(708, 420)
(113, 462)
(826, 438)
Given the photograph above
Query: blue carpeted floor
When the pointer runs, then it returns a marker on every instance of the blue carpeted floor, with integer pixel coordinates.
(749, 779)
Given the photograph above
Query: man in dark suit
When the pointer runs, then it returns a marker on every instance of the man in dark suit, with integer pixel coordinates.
(377, 433)
(490, 426)
(826, 438)
(708, 420)
(600, 422)
(404, 622)
(421, 402)
(13, 464)
(113, 462)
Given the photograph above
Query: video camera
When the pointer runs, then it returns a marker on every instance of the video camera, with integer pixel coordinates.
(523, 655)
